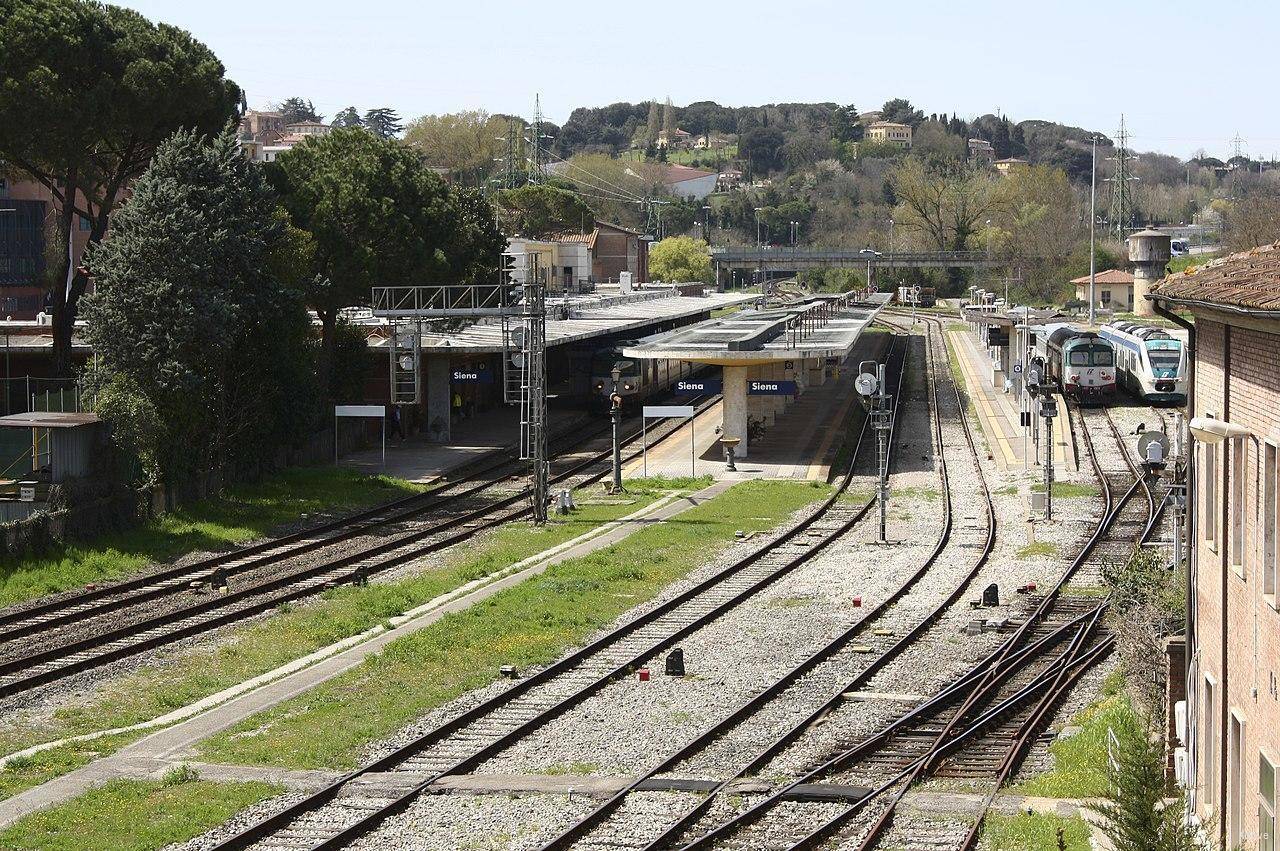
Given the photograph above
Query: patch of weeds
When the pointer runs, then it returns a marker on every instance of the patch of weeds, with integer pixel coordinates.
(1068, 490)
(180, 774)
(1080, 760)
(1039, 548)
(1033, 832)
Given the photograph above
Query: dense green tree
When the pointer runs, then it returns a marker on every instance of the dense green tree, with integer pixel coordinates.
(297, 109)
(538, 211)
(349, 117)
(189, 328)
(87, 92)
(680, 259)
(467, 143)
(845, 126)
(383, 122)
(652, 125)
(901, 111)
(1137, 813)
(761, 147)
(377, 215)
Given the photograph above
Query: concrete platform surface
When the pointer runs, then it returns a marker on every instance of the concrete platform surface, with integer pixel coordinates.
(486, 434)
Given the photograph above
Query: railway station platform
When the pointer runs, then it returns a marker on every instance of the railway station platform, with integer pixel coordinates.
(802, 443)
(417, 459)
(998, 413)
(769, 357)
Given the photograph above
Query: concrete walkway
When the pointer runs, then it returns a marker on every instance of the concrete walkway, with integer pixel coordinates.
(998, 411)
(154, 754)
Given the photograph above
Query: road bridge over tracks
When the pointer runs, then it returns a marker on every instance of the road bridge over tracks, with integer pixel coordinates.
(771, 261)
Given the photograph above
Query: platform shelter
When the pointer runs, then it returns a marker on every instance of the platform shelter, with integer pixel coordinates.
(769, 356)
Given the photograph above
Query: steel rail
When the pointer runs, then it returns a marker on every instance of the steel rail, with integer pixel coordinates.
(709, 735)
(58, 662)
(263, 828)
(46, 615)
(989, 670)
(865, 674)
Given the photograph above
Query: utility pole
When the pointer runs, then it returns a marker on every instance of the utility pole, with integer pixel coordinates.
(615, 413)
(533, 387)
(1048, 410)
(1093, 226)
(537, 158)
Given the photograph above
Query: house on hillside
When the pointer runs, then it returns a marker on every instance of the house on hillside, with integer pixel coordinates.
(1113, 290)
(981, 152)
(891, 132)
(680, 180)
(1008, 164)
(679, 140)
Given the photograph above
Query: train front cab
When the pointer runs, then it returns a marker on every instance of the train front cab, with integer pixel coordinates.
(1088, 371)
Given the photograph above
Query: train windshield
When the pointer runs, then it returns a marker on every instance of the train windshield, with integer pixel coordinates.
(1101, 356)
(1165, 356)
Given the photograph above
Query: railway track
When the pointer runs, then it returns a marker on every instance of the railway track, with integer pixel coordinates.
(26, 663)
(977, 728)
(826, 671)
(362, 800)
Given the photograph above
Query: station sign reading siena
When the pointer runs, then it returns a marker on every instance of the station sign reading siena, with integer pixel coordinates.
(699, 385)
(771, 388)
(472, 375)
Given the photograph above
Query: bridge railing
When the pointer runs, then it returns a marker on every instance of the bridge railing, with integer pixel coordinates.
(751, 253)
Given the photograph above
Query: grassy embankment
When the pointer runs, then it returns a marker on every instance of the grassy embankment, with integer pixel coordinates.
(1079, 773)
(243, 513)
(527, 625)
(192, 674)
(133, 815)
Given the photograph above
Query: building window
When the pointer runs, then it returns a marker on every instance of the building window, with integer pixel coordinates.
(1237, 450)
(1270, 506)
(1209, 454)
(1266, 804)
(1235, 783)
(84, 224)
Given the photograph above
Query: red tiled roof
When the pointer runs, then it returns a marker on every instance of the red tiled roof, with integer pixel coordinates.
(1249, 279)
(1111, 276)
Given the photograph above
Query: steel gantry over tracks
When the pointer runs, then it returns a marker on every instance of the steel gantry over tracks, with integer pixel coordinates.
(727, 259)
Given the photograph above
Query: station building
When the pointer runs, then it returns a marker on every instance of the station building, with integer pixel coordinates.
(1232, 731)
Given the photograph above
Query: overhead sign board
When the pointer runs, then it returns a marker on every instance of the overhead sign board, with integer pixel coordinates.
(771, 388)
(669, 410)
(472, 375)
(699, 385)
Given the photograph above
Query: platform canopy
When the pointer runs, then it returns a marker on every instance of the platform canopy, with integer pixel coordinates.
(822, 326)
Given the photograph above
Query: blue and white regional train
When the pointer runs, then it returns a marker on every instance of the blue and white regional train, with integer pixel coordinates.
(1080, 362)
(1151, 363)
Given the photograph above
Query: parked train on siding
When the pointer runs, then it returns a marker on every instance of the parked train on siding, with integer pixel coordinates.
(1080, 362)
(1151, 363)
(641, 379)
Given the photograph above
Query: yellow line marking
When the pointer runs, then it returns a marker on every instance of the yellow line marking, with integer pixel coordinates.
(987, 415)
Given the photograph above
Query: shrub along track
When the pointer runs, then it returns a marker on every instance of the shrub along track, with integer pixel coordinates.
(343, 811)
(55, 639)
(980, 727)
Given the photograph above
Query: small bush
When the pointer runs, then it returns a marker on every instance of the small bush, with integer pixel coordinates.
(180, 774)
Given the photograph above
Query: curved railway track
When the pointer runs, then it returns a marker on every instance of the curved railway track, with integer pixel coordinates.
(332, 818)
(979, 726)
(33, 663)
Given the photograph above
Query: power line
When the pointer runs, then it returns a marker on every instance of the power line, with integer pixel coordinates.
(1122, 206)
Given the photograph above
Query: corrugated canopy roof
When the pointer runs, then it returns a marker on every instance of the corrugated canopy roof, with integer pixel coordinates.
(1249, 279)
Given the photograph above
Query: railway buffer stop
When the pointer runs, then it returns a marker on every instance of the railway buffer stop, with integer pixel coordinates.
(768, 356)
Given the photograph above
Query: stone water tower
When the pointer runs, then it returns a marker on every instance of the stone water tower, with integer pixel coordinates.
(1149, 254)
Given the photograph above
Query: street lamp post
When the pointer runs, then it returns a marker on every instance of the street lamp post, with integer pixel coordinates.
(759, 251)
(615, 413)
(892, 250)
(871, 255)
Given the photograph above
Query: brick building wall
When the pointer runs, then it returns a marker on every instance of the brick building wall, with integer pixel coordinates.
(1237, 624)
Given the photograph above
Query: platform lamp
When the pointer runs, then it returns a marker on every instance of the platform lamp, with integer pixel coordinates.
(615, 413)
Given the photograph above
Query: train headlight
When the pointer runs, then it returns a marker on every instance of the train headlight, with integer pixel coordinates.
(627, 387)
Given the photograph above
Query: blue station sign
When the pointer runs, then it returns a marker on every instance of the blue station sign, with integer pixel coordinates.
(472, 375)
(771, 388)
(699, 385)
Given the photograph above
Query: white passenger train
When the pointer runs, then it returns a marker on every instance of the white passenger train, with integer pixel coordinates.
(1151, 363)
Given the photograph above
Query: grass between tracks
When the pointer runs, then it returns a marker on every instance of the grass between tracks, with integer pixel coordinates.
(241, 514)
(188, 675)
(530, 624)
(134, 815)
(1080, 760)
(1033, 832)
